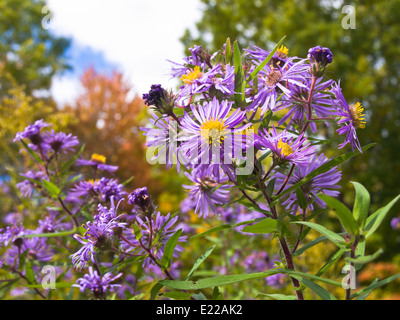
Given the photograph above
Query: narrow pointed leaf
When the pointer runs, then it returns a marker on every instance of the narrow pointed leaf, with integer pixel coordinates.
(323, 293)
(374, 220)
(239, 75)
(344, 214)
(332, 236)
(361, 204)
(374, 285)
(169, 249)
(266, 60)
(366, 259)
(266, 225)
(199, 261)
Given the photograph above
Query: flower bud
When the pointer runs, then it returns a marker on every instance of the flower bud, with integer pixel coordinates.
(141, 199)
(319, 58)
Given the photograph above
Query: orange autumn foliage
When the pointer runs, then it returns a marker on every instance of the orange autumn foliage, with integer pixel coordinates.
(107, 119)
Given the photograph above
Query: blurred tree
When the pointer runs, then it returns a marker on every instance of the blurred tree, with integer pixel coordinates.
(30, 53)
(366, 59)
(107, 120)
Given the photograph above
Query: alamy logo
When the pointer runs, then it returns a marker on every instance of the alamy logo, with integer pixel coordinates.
(349, 21)
(49, 280)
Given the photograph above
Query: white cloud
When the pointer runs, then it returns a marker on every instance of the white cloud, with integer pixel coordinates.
(139, 36)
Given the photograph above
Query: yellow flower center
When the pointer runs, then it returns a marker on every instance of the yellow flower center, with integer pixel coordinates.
(286, 150)
(282, 52)
(192, 75)
(213, 131)
(98, 158)
(357, 115)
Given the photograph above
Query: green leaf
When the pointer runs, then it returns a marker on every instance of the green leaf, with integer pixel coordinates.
(361, 204)
(266, 225)
(277, 296)
(344, 214)
(217, 295)
(32, 153)
(211, 230)
(51, 188)
(322, 169)
(216, 281)
(375, 219)
(270, 187)
(266, 60)
(239, 75)
(360, 252)
(309, 245)
(323, 293)
(301, 198)
(374, 285)
(50, 234)
(365, 259)
(155, 290)
(71, 161)
(29, 274)
(169, 249)
(177, 295)
(228, 51)
(331, 262)
(199, 261)
(332, 236)
(229, 279)
(364, 296)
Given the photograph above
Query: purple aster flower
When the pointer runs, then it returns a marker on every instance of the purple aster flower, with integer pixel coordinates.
(285, 147)
(273, 81)
(98, 162)
(60, 141)
(82, 189)
(206, 192)
(97, 236)
(26, 187)
(11, 233)
(32, 132)
(163, 137)
(157, 226)
(351, 118)
(321, 103)
(326, 183)
(36, 248)
(196, 59)
(212, 136)
(197, 81)
(99, 285)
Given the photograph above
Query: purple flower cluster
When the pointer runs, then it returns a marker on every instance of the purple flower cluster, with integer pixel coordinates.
(97, 284)
(216, 127)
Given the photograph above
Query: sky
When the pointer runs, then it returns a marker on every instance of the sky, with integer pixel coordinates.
(135, 37)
